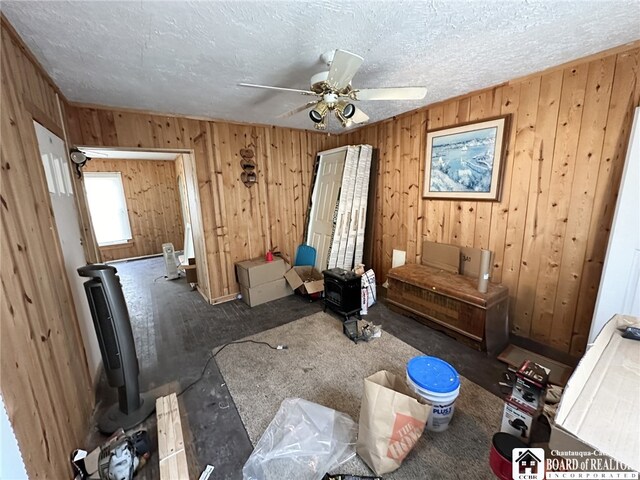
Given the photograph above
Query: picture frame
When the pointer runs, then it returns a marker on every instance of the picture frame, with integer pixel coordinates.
(466, 162)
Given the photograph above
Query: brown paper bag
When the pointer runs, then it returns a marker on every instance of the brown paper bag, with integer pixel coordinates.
(391, 422)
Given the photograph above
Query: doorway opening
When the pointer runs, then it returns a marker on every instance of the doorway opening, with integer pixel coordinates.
(144, 203)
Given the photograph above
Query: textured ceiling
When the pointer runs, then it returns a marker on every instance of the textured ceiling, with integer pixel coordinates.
(187, 57)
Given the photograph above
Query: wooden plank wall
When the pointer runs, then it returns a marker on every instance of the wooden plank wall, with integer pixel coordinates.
(151, 191)
(566, 149)
(45, 380)
(239, 222)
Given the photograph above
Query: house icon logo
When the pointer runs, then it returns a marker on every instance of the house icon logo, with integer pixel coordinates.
(527, 464)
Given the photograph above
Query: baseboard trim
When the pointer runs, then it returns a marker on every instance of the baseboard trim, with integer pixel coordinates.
(224, 298)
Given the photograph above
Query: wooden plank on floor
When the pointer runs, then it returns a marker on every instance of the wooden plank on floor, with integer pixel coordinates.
(171, 450)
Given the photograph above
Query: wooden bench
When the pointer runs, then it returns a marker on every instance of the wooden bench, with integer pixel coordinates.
(452, 303)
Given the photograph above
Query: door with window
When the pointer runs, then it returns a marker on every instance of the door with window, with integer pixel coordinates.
(56, 166)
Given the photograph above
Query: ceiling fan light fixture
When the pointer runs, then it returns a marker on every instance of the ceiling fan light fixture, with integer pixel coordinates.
(319, 113)
(331, 98)
(344, 111)
(315, 116)
(322, 124)
(334, 92)
(343, 121)
(348, 110)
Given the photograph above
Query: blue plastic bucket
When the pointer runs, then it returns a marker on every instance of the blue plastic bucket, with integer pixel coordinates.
(438, 384)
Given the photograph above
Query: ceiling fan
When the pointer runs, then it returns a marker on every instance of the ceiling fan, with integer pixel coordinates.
(334, 93)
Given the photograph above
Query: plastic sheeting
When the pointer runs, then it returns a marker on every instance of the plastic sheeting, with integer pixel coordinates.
(303, 441)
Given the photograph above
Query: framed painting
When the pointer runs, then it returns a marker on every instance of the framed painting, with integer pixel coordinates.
(465, 162)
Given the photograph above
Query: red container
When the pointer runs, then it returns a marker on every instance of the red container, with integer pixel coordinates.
(269, 256)
(500, 455)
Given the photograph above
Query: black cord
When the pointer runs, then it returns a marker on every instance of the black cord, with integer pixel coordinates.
(199, 378)
(180, 275)
(213, 355)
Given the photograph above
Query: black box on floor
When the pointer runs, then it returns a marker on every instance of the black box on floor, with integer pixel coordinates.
(342, 291)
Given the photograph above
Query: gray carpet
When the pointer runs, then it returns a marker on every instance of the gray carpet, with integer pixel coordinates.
(323, 366)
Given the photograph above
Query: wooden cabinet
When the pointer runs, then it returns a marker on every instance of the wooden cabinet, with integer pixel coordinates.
(451, 303)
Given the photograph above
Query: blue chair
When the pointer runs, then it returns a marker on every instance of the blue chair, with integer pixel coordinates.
(305, 256)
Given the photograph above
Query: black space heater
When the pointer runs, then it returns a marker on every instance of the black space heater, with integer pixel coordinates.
(342, 292)
(113, 328)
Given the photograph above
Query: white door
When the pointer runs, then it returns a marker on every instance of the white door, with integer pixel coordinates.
(619, 290)
(56, 167)
(326, 192)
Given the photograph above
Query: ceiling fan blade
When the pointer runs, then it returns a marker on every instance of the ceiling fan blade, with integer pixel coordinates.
(359, 116)
(394, 93)
(282, 89)
(291, 113)
(343, 67)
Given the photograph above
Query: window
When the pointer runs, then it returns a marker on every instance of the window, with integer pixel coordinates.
(108, 207)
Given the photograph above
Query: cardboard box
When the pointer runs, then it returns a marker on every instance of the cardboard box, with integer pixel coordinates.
(307, 279)
(441, 255)
(599, 406)
(534, 374)
(523, 407)
(265, 293)
(190, 271)
(530, 386)
(530, 398)
(258, 271)
(470, 261)
(517, 421)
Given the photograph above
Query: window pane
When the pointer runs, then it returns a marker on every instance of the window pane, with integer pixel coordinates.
(57, 168)
(108, 207)
(46, 161)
